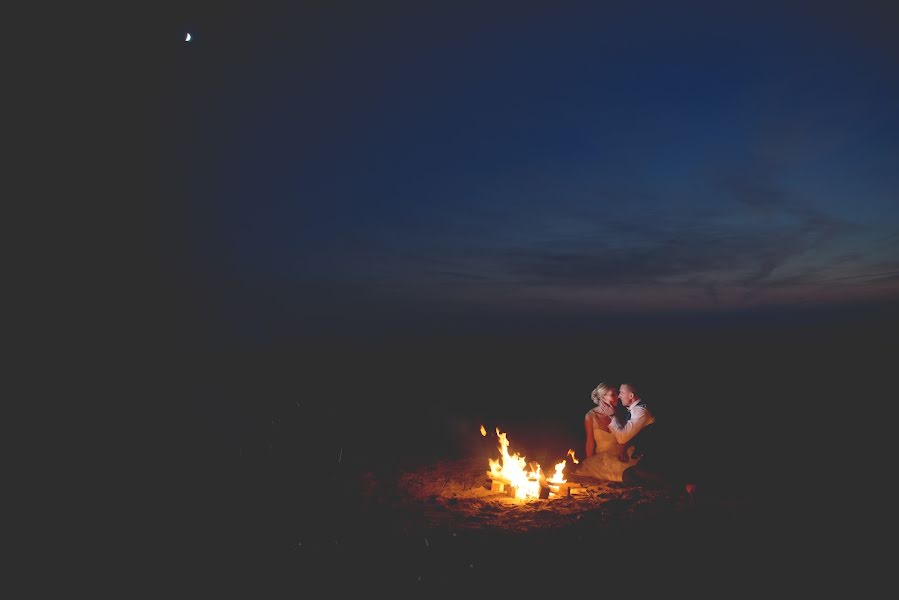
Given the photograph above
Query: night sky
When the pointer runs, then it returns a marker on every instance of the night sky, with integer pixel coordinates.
(341, 170)
(373, 227)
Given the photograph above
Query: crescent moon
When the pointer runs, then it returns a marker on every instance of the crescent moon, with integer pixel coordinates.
(187, 38)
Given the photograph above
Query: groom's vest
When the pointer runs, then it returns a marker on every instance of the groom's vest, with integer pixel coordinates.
(644, 442)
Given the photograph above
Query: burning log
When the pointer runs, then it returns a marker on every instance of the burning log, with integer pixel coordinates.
(545, 491)
(496, 483)
(559, 490)
(548, 489)
(565, 489)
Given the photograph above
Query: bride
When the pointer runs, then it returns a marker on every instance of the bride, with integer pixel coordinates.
(605, 458)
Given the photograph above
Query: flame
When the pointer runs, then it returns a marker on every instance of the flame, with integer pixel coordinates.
(512, 468)
(483, 431)
(558, 476)
(573, 457)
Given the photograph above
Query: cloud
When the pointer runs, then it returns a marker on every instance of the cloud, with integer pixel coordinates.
(767, 247)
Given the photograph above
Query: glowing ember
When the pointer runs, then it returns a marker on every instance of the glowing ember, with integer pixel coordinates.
(573, 457)
(483, 431)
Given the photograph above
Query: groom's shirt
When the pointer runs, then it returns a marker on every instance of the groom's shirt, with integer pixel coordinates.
(640, 418)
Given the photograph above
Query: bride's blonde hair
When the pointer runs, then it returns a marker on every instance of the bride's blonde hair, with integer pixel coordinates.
(600, 391)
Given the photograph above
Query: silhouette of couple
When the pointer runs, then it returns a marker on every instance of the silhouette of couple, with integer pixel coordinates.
(619, 439)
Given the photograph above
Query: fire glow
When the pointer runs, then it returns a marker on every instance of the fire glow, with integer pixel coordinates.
(526, 479)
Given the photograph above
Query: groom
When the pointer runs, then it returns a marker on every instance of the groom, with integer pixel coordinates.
(634, 432)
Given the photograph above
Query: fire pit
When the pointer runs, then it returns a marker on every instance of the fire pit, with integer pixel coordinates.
(518, 478)
(453, 495)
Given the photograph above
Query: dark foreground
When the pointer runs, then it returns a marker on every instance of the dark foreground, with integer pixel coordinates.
(280, 474)
(366, 531)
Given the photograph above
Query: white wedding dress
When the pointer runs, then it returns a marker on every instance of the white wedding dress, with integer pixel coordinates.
(604, 463)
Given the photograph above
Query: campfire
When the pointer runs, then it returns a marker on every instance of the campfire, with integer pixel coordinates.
(518, 478)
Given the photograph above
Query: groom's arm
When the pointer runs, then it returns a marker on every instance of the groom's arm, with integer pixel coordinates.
(625, 433)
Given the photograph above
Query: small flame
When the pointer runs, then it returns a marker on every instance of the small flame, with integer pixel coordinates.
(573, 457)
(558, 476)
(483, 431)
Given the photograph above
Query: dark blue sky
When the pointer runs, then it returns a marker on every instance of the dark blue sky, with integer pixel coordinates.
(326, 169)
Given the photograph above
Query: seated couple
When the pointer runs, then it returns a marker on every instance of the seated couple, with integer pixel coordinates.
(616, 437)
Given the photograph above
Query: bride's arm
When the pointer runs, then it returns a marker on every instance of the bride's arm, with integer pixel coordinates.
(590, 443)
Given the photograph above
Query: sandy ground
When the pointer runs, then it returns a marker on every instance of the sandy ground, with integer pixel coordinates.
(437, 528)
(454, 495)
